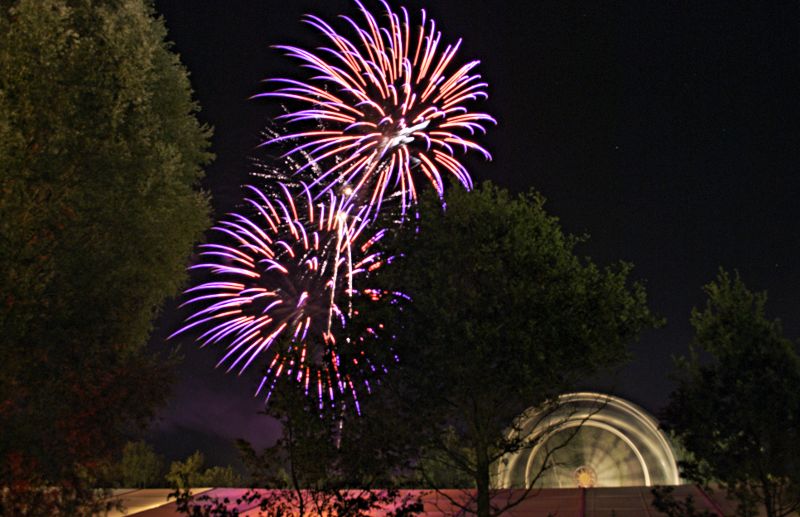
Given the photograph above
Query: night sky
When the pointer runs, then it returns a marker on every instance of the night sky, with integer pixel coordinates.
(668, 131)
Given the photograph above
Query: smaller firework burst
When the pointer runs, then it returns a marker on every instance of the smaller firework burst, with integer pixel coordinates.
(282, 289)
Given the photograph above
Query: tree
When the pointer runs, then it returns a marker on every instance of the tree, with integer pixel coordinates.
(737, 407)
(304, 462)
(326, 462)
(140, 466)
(504, 316)
(329, 460)
(189, 473)
(186, 474)
(100, 154)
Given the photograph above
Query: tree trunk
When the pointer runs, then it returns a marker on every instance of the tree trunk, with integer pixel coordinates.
(482, 482)
(770, 507)
(769, 503)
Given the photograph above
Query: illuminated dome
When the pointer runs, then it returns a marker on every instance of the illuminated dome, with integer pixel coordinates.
(589, 440)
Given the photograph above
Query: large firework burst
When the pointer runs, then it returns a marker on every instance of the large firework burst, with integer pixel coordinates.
(382, 107)
(282, 288)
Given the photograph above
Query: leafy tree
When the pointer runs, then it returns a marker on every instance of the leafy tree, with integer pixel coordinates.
(737, 407)
(219, 476)
(330, 461)
(186, 473)
(100, 152)
(665, 502)
(189, 473)
(504, 316)
(326, 462)
(140, 466)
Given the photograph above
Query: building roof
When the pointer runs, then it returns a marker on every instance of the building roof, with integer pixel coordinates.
(564, 502)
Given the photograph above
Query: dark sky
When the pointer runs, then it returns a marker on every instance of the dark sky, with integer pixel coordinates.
(668, 131)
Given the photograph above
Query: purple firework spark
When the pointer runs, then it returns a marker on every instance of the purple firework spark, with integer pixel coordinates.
(384, 104)
(282, 287)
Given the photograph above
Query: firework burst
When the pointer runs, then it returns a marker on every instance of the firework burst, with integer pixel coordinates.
(385, 107)
(283, 287)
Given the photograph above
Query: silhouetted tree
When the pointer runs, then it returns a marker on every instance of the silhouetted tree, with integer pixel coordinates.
(100, 153)
(140, 466)
(190, 473)
(326, 462)
(737, 405)
(503, 316)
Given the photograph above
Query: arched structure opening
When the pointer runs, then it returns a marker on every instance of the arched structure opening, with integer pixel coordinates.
(589, 440)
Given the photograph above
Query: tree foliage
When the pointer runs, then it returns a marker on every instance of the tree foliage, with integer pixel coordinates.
(504, 316)
(100, 153)
(189, 473)
(737, 407)
(140, 466)
(326, 462)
